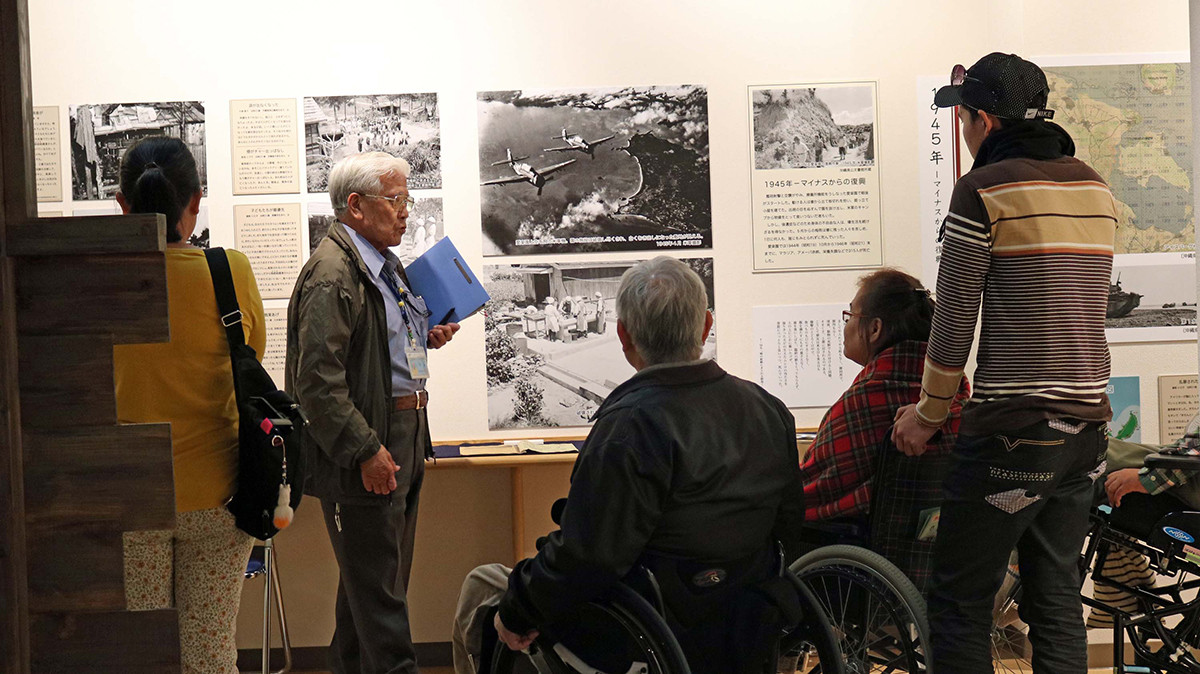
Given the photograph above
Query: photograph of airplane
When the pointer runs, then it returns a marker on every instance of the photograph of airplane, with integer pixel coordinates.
(526, 173)
(645, 187)
(576, 143)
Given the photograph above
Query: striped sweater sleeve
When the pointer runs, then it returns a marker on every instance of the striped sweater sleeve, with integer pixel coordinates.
(966, 258)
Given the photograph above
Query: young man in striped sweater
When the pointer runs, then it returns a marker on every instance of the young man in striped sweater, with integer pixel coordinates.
(1030, 236)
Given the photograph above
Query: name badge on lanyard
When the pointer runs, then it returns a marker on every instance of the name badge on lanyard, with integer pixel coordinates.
(418, 362)
(414, 353)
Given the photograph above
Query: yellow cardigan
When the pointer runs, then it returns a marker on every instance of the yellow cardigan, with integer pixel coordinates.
(188, 381)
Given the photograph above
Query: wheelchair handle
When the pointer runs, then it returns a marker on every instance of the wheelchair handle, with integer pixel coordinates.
(1173, 461)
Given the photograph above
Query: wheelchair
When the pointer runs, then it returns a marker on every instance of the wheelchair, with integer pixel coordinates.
(627, 632)
(873, 601)
(1164, 626)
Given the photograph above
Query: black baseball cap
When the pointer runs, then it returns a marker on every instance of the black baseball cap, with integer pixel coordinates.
(1005, 85)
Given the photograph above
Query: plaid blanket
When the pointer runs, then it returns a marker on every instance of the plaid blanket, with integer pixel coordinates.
(852, 447)
(839, 467)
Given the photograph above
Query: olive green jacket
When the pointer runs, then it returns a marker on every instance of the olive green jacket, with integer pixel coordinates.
(339, 368)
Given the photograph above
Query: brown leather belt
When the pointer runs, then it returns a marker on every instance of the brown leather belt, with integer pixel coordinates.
(414, 401)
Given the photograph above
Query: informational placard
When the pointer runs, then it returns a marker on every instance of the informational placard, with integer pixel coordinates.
(265, 158)
(1178, 402)
(269, 235)
(46, 161)
(935, 170)
(1125, 397)
(275, 355)
(798, 353)
(815, 181)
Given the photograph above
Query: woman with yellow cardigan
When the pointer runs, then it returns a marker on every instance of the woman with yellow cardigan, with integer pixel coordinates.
(188, 382)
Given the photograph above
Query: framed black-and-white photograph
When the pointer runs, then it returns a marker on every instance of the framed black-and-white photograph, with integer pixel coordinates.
(425, 227)
(552, 350)
(1152, 302)
(101, 133)
(811, 127)
(402, 125)
(575, 170)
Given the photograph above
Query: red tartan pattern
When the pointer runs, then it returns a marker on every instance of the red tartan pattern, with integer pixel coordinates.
(837, 469)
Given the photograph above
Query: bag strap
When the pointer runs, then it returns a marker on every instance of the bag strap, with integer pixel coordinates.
(227, 303)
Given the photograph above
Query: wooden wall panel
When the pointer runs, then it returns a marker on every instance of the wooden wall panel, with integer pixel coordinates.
(122, 295)
(76, 568)
(143, 642)
(58, 378)
(140, 233)
(119, 476)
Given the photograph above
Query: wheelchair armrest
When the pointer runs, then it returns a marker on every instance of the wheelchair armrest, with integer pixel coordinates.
(1173, 461)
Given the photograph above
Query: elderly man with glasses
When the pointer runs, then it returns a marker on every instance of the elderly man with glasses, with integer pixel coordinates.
(1029, 235)
(357, 341)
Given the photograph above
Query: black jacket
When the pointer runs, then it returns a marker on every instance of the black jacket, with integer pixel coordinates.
(684, 461)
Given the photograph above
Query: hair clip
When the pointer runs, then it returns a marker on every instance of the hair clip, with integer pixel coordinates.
(149, 165)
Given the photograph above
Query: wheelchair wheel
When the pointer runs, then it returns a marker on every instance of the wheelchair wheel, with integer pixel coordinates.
(1011, 653)
(812, 646)
(877, 614)
(621, 633)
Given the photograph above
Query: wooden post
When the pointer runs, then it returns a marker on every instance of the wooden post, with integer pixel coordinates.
(72, 481)
(16, 204)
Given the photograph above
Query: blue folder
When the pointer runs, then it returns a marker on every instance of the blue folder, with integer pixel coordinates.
(448, 286)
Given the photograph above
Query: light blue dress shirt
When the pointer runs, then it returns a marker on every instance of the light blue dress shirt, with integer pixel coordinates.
(387, 263)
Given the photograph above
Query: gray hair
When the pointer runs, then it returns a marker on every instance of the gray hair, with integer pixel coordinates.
(662, 303)
(362, 173)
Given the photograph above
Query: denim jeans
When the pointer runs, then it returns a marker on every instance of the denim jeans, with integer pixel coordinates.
(1031, 490)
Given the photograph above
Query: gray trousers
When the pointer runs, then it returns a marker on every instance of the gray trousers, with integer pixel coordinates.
(373, 545)
(481, 590)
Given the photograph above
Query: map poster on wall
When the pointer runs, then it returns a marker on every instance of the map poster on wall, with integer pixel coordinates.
(402, 125)
(815, 182)
(1125, 396)
(1152, 302)
(552, 350)
(263, 133)
(425, 227)
(46, 162)
(269, 235)
(1132, 122)
(1178, 402)
(101, 133)
(585, 170)
(935, 170)
(798, 353)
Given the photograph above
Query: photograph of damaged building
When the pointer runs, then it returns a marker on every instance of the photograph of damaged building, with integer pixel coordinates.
(552, 350)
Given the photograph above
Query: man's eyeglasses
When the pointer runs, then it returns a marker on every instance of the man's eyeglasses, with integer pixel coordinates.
(846, 314)
(398, 202)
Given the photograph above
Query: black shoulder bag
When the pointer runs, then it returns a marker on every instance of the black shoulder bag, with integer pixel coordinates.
(270, 424)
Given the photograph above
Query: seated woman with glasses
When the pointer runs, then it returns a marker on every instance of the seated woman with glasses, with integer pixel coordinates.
(887, 331)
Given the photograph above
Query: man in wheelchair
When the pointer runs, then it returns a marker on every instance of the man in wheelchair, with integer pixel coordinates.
(688, 471)
(1149, 527)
